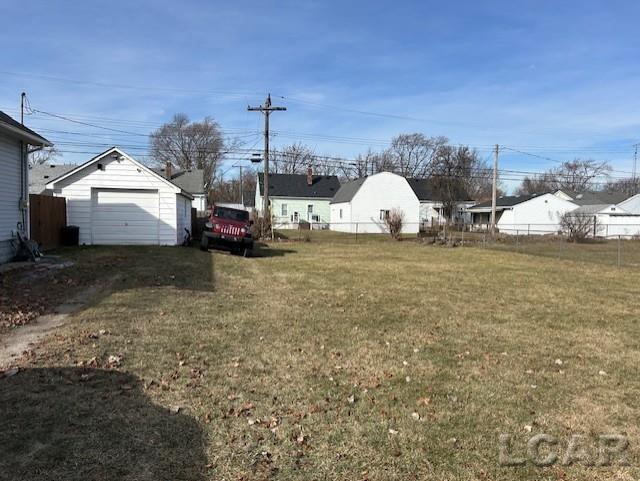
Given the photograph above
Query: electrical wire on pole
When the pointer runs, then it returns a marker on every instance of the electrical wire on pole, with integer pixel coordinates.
(494, 190)
(266, 110)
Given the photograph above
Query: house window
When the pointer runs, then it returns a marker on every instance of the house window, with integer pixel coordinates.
(384, 214)
(284, 210)
(295, 217)
(341, 213)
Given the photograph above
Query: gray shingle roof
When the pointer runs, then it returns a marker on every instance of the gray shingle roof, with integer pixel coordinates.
(348, 190)
(41, 175)
(596, 198)
(4, 118)
(506, 201)
(191, 180)
(425, 190)
(295, 185)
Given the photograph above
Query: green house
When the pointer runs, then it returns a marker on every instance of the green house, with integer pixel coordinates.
(297, 198)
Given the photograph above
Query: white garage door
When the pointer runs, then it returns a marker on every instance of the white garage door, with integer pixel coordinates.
(125, 216)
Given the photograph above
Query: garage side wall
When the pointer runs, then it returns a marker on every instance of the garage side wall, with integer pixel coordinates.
(183, 217)
(115, 174)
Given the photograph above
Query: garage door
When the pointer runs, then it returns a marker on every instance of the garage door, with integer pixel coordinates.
(124, 216)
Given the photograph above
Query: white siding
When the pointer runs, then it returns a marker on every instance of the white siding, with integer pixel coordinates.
(118, 173)
(183, 216)
(10, 180)
(122, 216)
(341, 217)
(199, 202)
(382, 191)
(631, 205)
(540, 215)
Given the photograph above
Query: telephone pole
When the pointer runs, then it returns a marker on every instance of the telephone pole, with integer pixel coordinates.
(635, 163)
(494, 190)
(266, 110)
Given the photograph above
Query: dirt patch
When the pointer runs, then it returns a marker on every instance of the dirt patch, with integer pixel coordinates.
(24, 338)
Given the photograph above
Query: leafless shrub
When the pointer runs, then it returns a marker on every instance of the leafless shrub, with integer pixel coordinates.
(578, 227)
(260, 228)
(394, 221)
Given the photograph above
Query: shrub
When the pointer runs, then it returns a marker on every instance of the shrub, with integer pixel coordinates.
(260, 228)
(394, 222)
(577, 227)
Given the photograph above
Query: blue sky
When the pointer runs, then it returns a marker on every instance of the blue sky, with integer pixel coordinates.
(557, 79)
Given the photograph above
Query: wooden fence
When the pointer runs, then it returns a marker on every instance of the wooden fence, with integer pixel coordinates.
(47, 216)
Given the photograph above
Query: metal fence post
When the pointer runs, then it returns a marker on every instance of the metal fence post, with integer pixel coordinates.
(619, 251)
(356, 232)
(462, 236)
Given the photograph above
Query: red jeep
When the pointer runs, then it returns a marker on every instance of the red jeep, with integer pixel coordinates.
(228, 229)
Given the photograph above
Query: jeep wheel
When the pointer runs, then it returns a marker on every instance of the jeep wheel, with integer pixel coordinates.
(204, 243)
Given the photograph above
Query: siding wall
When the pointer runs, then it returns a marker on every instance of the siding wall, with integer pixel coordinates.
(183, 216)
(117, 174)
(540, 215)
(320, 207)
(383, 191)
(341, 223)
(10, 213)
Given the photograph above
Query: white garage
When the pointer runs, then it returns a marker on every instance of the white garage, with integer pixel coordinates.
(115, 200)
(124, 216)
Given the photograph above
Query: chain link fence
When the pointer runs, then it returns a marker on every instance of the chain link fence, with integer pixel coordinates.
(545, 240)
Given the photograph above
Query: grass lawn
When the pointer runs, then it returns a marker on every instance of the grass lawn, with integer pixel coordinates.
(328, 360)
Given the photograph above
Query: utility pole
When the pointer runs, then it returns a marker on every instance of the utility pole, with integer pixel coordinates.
(241, 189)
(635, 164)
(22, 97)
(266, 110)
(494, 190)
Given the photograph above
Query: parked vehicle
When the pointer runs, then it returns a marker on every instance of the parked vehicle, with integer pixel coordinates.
(228, 229)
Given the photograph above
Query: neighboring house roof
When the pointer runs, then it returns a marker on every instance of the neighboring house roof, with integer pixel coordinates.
(119, 152)
(505, 201)
(295, 185)
(348, 190)
(191, 180)
(41, 175)
(425, 191)
(595, 198)
(16, 128)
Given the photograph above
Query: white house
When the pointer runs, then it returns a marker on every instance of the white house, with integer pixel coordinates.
(362, 204)
(16, 141)
(114, 199)
(523, 214)
(432, 207)
(297, 197)
(614, 213)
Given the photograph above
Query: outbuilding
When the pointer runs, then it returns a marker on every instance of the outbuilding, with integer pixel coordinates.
(114, 199)
(362, 205)
(523, 214)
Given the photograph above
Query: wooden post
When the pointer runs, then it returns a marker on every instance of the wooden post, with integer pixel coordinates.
(619, 251)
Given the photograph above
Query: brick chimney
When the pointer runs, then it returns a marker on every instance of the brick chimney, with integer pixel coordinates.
(309, 176)
(168, 170)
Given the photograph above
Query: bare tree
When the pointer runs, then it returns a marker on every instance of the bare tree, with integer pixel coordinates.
(412, 154)
(292, 159)
(228, 190)
(190, 145)
(629, 186)
(394, 220)
(578, 227)
(43, 156)
(578, 175)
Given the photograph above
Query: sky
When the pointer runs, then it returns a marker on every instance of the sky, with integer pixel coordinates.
(555, 80)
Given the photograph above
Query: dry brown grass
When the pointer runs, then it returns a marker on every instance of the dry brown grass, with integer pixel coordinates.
(310, 361)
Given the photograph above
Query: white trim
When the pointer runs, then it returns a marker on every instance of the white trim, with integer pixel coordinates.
(21, 134)
(92, 161)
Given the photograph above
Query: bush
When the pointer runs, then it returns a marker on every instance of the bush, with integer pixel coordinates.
(577, 227)
(394, 222)
(260, 228)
